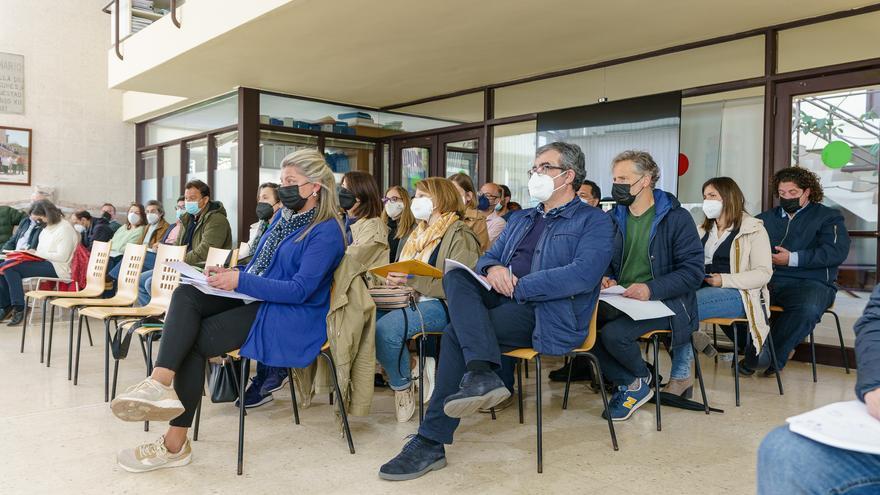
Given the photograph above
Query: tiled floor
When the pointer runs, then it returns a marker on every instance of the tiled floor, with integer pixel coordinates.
(62, 439)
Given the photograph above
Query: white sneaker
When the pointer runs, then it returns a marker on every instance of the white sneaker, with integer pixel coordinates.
(149, 400)
(405, 405)
(153, 456)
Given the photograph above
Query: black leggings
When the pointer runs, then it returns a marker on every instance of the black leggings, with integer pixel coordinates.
(198, 327)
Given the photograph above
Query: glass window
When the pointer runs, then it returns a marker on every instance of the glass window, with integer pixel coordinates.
(170, 180)
(513, 151)
(460, 109)
(344, 155)
(197, 165)
(462, 156)
(274, 146)
(194, 120)
(150, 182)
(386, 167)
(837, 135)
(226, 178)
(722, 138)
(829, 43)
(414, 166)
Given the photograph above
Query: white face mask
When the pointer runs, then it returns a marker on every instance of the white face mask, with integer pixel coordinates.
(134, 218)
(153, 218)
(422, 208)
(79, 228)
(394, 210)
(712, 208)
(541, 187)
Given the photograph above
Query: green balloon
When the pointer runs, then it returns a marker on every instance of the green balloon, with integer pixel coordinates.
(836, 154)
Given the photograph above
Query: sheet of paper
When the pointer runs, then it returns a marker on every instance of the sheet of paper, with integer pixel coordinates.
(187, 271)
(455, 265)
(845, 425)
(635, 309)
(207, 289)
(614, 289)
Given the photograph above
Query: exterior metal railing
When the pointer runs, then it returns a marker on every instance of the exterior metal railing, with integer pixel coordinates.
(116, 22)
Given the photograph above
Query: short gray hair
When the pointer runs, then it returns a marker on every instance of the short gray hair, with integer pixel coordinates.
(571, 158)
(158, 206)
(644, 162)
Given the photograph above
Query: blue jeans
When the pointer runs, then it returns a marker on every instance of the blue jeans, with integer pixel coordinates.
(712, 302)
(11, 288)
(391, 337)
(144, 283)
(617, 346)
(791, 463)
(804, 302)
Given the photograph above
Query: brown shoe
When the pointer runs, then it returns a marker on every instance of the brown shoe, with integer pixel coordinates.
(680, 387)
(703, 343)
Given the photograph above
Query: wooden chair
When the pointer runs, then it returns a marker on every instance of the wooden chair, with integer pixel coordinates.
(526, 354)
(653, 338)
(233, 258)
(95, 274)
(830, 310)
(217, 257)
(735, 323)
(165, 280)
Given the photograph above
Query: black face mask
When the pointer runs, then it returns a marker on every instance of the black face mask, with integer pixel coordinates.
(106, 216)
(346, 198)
(264, 211)
(622, 194)
(790, 205)
(41, 224)
(291, 198)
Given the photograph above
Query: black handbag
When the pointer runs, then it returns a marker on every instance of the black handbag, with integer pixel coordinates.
(223, 380)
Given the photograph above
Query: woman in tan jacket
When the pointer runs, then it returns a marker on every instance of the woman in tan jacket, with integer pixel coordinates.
(738, 268)
(439, 235)
(473, 218)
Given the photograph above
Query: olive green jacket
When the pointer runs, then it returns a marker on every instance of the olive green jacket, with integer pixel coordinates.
(460, 244)
(9, 219)
(212, 230)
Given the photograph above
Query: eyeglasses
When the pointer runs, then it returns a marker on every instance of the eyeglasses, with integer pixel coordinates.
(392, 199)
(490, 197)
(542, 169)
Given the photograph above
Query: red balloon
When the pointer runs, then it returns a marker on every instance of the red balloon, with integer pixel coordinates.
(683, 164)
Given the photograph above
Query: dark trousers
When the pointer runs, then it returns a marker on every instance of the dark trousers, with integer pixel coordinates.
(198, 327)
(804, 302)
(617, 347)
(483, 325)
(11, 287)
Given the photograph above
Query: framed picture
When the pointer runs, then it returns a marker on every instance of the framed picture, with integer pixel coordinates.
(15, 156)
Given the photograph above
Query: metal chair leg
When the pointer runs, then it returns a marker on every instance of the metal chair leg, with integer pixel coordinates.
(78, 342)
(195, 425)
(43, 333)
(70, 346)
(51, 332)
(656, 345)
(736, 362)
(538, 413)
(519, 389)
(570, 362)
(293, 396)
(421, 378)
(107, 360)
(715, 340)
(813, 356)
(24, 322)
(843, 352)
(115, 377)
(341, 402)
(89, 332)
(595, 362)
(526, 366)
(699, 372)
(775, 364)
(241, 413)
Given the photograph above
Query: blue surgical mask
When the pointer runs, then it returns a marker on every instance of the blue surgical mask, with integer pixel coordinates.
(499, 206)
(192, 207)
(180, 214)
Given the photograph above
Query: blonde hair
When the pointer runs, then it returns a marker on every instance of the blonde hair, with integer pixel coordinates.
(311, 164)
(443, 194)
(406, 221)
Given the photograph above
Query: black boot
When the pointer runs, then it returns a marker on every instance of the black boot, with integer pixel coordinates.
(581, 371)
(17, 317)
(5, 313)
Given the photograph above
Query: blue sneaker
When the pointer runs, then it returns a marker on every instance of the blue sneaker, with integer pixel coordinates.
(275, 378)
(624, 402)
(254, 395)
(417, 458)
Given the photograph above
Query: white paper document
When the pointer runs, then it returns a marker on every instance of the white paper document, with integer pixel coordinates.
(455, 265)
(191, 276)
(635, 309)
(845, 425)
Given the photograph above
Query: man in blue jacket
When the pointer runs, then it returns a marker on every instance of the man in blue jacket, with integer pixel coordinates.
(658, 256)
(544, 272)
(790, 463)
(809, 242)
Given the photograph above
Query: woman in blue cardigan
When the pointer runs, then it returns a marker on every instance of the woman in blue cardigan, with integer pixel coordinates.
(290, 273)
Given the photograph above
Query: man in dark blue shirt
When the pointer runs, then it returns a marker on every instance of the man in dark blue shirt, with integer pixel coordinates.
(544, 272)
(809, 242)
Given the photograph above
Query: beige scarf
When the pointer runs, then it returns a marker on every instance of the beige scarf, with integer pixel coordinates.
(425, 238)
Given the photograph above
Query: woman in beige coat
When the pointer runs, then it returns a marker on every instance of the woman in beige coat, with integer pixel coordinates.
(738, 268)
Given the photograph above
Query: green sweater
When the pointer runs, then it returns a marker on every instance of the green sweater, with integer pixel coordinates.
(125, 236)
(636, 262)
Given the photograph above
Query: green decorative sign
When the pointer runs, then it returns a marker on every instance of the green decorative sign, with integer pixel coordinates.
(836, 154)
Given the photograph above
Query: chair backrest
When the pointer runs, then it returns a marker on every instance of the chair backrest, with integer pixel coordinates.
(96, 272)
(130, 271)
(216, 257)
(165, 278)
(590, 341)
(233, 258)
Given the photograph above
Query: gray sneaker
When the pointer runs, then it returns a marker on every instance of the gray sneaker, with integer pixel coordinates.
(152, 456)
(149, 400)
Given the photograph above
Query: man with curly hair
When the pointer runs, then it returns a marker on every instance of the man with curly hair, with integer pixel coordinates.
(809, 242)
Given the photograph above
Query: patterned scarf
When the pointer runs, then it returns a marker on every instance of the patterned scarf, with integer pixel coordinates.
(425, 238)
(286, 225)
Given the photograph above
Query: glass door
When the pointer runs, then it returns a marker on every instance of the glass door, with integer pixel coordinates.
(414, 160)
(463, 152)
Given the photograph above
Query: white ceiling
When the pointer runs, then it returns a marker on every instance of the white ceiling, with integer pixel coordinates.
(382, 52)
